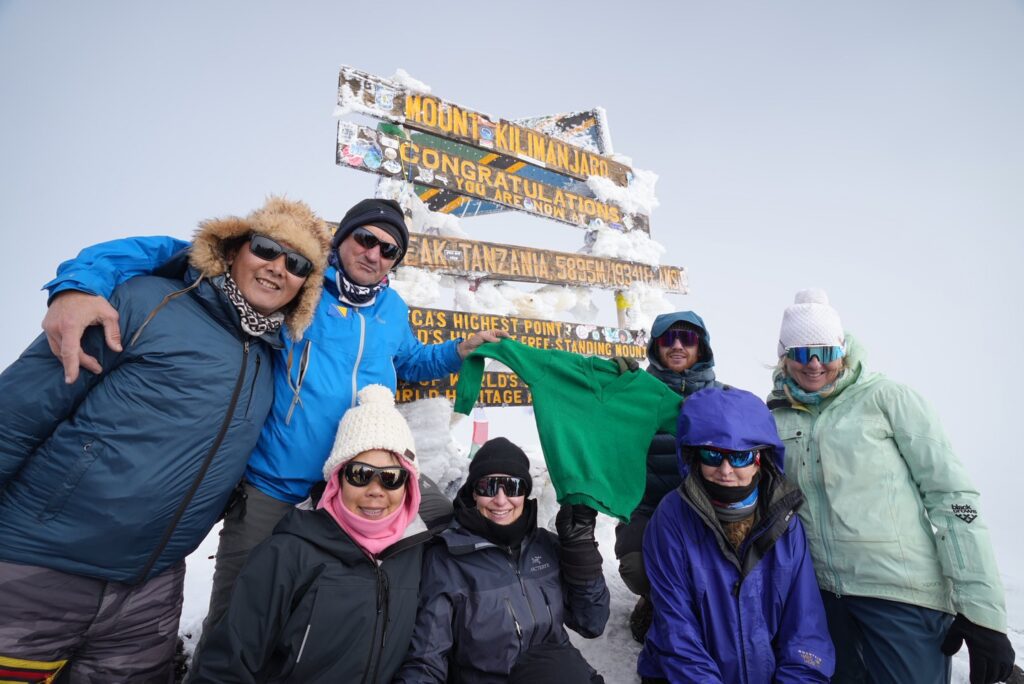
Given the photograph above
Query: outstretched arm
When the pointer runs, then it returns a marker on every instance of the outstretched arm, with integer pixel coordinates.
(78, 295)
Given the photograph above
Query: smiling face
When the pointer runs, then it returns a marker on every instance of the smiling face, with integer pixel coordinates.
(266, 285)
(813, 375)
(373, 502)
(678, 358)
(500, 509)
(365, 266)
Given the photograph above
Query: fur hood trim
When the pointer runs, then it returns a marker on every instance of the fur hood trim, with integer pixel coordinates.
(280, 219)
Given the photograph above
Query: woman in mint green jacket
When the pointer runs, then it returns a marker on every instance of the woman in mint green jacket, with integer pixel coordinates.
(892, 519)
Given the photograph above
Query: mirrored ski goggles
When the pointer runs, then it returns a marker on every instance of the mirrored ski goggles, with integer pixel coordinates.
(689, 338)
(737, 459)
(488, 486)
(367, 240)
(359, 474)
(268, 250)
(804, 354)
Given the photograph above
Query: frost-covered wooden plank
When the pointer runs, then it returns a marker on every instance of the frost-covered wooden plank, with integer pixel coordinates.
(446, 165)
(493, 261)
(506, 389)
(392, 101)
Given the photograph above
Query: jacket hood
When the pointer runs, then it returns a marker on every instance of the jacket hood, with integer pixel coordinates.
(666, 321)
(280, 219)
(726, 418)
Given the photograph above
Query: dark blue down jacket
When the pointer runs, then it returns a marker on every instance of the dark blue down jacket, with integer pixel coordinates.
(120, 475)
(750, 615)
(480, 608)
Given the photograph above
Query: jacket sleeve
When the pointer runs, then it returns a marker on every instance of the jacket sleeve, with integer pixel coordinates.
(803, 646)
(241, 644)
(668, 411)
(432, 637)
(102, 267)
(417, 362)
(676, 639)
(35, 400)
(952, 502)
(587, 607)
(528, 363)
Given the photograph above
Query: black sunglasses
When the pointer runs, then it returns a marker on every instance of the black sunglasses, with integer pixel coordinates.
(367, 240)
(360, 474)
(268, 250)
(488, 486)
(689, 338)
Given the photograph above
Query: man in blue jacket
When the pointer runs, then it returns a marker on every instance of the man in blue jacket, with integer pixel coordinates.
(108, 483)
(360, 335)
(734, 593)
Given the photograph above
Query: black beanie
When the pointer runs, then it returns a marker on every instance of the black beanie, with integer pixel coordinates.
(500, 456)
(384, 213)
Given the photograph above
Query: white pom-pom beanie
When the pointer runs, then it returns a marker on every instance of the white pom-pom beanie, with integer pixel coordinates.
(374, 424)
(810, 322)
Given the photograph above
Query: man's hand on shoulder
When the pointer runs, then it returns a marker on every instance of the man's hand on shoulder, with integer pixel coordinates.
(70, 313)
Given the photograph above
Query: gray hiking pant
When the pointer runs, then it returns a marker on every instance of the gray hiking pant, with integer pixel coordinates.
(90, 630)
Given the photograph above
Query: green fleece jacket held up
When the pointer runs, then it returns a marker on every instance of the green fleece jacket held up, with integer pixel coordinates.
(594, 424)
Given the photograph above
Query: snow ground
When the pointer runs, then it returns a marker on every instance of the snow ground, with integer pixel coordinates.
(614, 653)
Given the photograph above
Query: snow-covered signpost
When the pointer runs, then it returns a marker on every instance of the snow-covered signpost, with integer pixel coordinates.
(442, 160)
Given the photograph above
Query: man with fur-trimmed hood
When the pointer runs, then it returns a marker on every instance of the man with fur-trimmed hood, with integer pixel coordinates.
(108, 483)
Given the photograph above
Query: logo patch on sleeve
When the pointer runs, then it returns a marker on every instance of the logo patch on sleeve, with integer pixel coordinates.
(965, 512)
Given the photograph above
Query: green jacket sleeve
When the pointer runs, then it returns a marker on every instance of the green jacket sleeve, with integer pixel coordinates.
(952, 502)
(528, 363)
(668, 410)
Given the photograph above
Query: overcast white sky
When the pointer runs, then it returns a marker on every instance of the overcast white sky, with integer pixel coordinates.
(873, 148)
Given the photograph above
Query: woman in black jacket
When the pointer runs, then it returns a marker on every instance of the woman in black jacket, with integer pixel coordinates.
(331, 596)
(498, 591)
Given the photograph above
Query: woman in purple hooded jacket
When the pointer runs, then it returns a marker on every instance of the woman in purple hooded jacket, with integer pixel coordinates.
(734, 593)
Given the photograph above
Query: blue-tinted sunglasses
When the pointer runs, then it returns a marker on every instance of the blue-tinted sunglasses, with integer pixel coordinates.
(737, 459)
(804, 355)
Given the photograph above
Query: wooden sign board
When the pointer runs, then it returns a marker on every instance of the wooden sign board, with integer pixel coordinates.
(474, 259)
(584, 129)
(429, 162)
(394, 102)
(506, 389)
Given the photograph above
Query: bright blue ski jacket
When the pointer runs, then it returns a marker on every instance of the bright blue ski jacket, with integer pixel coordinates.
(751, 615)
(315, 380)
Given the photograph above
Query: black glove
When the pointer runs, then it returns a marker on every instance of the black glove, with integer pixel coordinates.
(580, 560)
(989, 652)
(625, 364)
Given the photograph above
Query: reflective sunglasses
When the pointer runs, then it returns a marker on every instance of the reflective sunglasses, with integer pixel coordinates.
(268, 250)
(367, 240)
(360, 474)
(488, 486)
(804, 355)
(737, 459)
(689, 338)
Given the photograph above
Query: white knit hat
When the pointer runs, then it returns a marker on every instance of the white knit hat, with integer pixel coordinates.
(810, 322)
(374, 424)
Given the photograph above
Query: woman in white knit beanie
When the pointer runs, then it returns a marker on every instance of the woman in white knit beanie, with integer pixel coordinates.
(902, 556)
(332, 595)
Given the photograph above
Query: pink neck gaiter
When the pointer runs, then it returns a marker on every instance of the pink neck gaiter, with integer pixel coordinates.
(372, 535)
